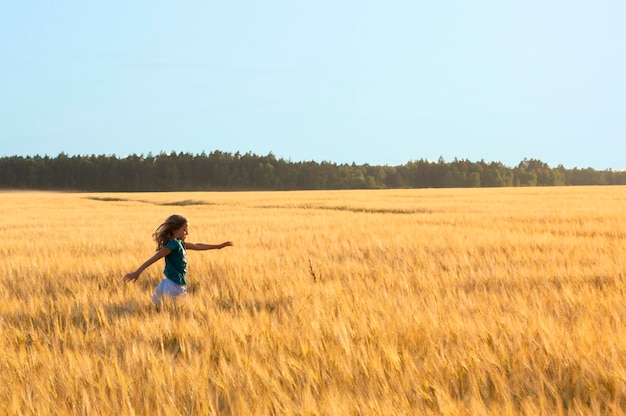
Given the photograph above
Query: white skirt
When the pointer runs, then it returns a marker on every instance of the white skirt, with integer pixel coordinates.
(168, 289)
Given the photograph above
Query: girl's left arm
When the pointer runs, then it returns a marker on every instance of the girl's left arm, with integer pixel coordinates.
(202, 246)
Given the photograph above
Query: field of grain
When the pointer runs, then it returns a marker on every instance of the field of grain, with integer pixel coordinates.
(403, 302)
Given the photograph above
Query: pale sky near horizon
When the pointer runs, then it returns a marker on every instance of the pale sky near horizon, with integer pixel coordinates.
(376, 82)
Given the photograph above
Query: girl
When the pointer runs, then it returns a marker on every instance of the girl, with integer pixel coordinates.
(170, 237)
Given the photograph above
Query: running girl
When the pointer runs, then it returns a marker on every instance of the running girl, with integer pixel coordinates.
(170, 238)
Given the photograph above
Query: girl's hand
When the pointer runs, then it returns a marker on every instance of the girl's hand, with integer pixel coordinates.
(226, 244)
(131, 277)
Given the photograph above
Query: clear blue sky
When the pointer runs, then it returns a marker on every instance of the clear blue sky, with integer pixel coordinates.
(378, 82)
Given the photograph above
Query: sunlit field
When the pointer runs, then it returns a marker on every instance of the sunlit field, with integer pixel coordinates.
(405, 302)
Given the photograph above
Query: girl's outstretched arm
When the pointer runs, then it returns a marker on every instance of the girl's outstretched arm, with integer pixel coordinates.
(133, 276)
(202, 246)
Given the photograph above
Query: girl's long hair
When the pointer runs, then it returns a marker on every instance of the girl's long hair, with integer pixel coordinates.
(164, 231)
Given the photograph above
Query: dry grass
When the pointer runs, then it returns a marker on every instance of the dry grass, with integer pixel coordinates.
(488, 301)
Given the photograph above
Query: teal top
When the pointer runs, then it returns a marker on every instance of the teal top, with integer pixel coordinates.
(176, 262)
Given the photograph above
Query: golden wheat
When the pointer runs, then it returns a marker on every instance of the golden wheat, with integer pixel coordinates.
(488, 301)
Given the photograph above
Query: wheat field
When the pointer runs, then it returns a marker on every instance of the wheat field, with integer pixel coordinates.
(389, 302)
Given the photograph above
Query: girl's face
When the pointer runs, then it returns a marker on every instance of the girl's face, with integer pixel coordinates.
(181, 232)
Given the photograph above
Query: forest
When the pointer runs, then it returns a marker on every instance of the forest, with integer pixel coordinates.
(178, 171)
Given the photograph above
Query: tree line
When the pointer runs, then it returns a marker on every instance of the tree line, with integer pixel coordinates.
(227, 171)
